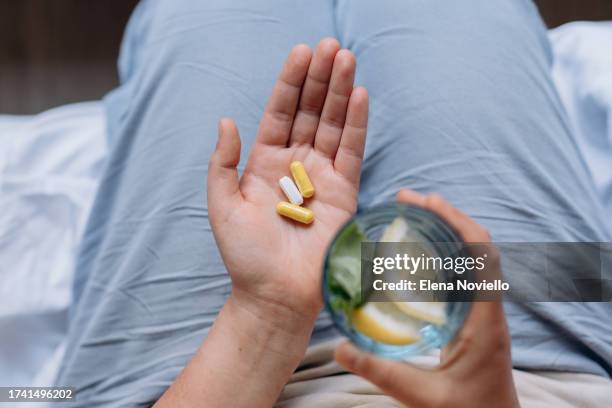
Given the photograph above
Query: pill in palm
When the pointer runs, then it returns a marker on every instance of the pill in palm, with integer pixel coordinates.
(290, 190)
(301, 179)
(295, 212)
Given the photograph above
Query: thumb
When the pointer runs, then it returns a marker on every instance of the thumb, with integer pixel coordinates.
(404, 382)
(222, 172)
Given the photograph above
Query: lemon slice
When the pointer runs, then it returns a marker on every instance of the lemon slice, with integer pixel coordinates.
(396, 231)
(384, 322)
(433, 312)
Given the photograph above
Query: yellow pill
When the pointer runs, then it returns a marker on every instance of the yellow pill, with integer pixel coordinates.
(301, 179)
(295, 212)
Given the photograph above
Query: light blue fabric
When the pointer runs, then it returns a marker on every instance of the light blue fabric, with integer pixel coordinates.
(461, 103)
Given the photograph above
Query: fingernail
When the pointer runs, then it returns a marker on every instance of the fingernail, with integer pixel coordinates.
(220, 126)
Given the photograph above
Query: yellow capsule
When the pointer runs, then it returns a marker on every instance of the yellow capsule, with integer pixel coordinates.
(295, 212)
(301, 179)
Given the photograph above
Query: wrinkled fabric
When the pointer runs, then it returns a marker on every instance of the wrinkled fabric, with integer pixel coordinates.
(461, 103)
(583, 75)
(50, 165)
(322, 383)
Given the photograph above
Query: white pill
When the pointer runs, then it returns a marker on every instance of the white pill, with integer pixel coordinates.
(291, 190)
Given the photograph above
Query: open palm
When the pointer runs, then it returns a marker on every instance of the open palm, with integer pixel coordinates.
(315, 116)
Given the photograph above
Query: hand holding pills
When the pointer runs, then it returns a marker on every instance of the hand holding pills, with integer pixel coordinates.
(271, 227)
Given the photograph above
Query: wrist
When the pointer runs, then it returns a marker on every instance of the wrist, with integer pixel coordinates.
(259, 338)
(253, 348)
(273, 314)
(277, 319)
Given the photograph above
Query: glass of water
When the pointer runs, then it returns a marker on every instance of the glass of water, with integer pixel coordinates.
(396, 328)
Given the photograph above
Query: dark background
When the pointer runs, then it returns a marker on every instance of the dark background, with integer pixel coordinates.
(54, 52)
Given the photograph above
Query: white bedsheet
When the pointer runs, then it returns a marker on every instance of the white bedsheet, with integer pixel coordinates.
(50, 164)
(583, 75)
(49, 168)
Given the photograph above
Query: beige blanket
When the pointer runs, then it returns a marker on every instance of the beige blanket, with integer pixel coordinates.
(321, 383)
